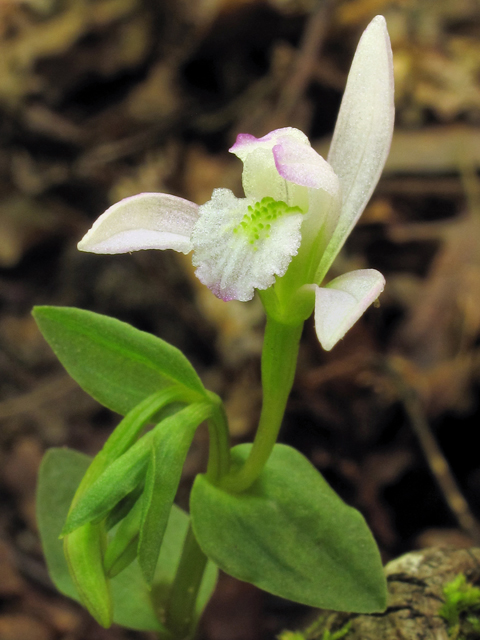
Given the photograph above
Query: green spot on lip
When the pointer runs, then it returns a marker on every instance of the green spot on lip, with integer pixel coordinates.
(255, 221)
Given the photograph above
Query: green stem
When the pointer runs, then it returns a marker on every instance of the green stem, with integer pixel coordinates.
(183, 595)
(180, 610)
(279, 360)
(219, 446)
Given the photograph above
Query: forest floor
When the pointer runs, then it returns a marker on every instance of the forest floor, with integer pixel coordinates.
(101, 99)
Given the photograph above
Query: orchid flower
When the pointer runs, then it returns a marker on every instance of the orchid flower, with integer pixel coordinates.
(298, 210)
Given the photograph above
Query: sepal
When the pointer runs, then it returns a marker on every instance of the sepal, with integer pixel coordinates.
(363, 132)
(144, 221)
(342, 302)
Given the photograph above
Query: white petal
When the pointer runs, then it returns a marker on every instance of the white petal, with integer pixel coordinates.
(283, 165)
(302, 165)
(144, 221)
(226, 260)
(342, 302)
(246, 143)
(260, 176)
(363, 133)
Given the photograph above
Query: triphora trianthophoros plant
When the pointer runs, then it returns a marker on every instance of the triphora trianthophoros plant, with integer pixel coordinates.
(112, 535)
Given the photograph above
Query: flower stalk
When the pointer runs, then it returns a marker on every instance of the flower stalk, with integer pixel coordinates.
(180, 609)
(279, 361)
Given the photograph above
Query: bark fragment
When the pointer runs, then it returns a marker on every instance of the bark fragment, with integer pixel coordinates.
(415, 585)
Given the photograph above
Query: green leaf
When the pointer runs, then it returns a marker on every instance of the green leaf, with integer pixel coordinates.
(169, 448)
(122, 548)
(116, 482)
(126, 472)
(83, 550)
(129, 429)
(168, 562)
(116, 364)
(123, 508)
(60, 474)
(290, 534)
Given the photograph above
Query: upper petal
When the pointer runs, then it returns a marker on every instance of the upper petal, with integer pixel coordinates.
(363, 132)
(302, 165)
(234, 260)
(261, 176)
(144, 221)
(283, 165)
(342, 302)
(246, 143)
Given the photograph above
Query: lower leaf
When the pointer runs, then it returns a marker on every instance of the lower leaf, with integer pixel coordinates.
(134, 605)
(171, 441)
(84, 554)
(290, 534)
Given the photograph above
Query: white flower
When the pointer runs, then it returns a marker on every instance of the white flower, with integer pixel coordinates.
(297, 212)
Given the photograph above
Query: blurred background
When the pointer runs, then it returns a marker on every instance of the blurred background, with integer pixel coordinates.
(102, 99)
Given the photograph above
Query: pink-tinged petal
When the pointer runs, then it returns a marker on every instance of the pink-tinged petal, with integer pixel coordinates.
(302, 165)
(144, 221)
(247, 143)
(260, 179)
(363, 133)
(342, 302)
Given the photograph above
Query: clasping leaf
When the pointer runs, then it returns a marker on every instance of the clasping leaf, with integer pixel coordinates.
(290, 534)
(127, 471)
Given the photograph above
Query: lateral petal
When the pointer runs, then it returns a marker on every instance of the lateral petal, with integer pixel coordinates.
(342, 302)
(363, 132)
(144, 221)
(246, 143)
(260, 179)
(302, 165)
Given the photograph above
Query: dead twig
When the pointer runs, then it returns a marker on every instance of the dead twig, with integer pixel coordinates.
(305, 64)
(436, 460)
(43, 394)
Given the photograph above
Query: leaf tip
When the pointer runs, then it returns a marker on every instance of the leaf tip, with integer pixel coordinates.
(38, 311)
(147, 567)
